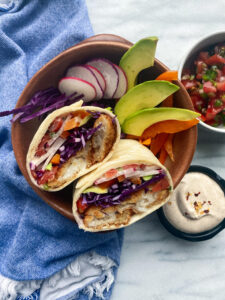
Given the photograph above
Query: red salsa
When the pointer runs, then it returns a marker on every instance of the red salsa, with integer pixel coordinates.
(206, 85)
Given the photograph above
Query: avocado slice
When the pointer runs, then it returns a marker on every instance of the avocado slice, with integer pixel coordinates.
(144, 95)
(136, 123)
(140, 56)
(95, 189)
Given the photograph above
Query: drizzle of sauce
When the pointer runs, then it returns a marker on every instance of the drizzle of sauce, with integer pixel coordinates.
(196, 205)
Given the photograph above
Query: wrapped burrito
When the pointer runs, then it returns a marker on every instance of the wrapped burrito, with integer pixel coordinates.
(131, 185)
(71, 142)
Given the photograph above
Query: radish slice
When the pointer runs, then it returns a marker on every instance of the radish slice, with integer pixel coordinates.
(70, 85)
(122, 86)
(110, 74)
(83, 72)
(100, 78)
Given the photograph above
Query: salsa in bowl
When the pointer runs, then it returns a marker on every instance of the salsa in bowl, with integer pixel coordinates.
(202, 73)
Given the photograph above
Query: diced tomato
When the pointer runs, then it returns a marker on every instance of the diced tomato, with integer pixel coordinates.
(208, 87)
(56, 125)
(221, 86)
(203, 56)
(33, 173)
(215, 59)
(161, 185)
(106, 184)
(201, 66)
(81, 206)
(48, 176)
(111, 173)
(41, 147)
(134, 166)
(212, 110)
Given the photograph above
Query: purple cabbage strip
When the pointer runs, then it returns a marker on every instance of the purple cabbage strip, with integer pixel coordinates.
(118, 192)
(76, 141)
(40, 104)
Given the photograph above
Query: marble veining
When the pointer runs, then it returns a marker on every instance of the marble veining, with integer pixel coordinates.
(154, 264)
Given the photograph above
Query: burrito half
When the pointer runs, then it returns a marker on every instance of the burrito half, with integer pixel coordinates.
(71, 142)
(129, 186)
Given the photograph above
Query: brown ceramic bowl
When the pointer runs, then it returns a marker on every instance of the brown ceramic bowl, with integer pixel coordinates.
(111, 47)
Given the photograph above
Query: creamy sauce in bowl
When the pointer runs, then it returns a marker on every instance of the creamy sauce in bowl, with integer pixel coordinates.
(197, 204)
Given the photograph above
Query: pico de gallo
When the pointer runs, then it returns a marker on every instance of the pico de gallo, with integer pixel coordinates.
(206, 85)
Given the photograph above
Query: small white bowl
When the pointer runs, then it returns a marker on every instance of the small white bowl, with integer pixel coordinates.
(187, 61)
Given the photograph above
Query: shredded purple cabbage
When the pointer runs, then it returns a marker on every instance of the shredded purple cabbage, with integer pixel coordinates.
(40, 104)
(118, 192)
(76, 141)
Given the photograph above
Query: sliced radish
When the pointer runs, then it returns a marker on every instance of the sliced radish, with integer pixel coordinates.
(110, 74)
(100, 78)
(122, 86)
(70, 85)
(83, 72)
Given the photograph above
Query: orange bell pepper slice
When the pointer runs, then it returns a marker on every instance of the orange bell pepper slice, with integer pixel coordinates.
(160, 185)
(168, 126)
(56, 159)
(158, 142)
(146, 142)
(169, 146)
(70, 124)
(168, 75)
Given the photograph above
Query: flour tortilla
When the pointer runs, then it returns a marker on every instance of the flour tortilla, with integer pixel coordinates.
(127, 152)
(63, 182)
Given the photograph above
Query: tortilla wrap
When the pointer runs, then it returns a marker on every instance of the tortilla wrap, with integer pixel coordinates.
(79, 164)
(127, 152)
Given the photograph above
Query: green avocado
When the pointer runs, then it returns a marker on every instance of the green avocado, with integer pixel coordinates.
(136, 123)
(144, 95)
(140, 56)
(96, 190)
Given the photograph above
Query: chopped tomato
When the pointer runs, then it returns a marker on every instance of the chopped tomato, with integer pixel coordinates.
(212, 110)
(208, 87)
(33, 173)
(221, 86)
(65, 134)
(134, 166)
(82, 114)
(201, 66)
(48, 176)
(160, 185)
(215, 59)
(81, 206)
(42, 146)
(56, 125)
(111, 173)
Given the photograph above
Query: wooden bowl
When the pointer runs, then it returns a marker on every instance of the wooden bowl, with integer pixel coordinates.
(111, 47)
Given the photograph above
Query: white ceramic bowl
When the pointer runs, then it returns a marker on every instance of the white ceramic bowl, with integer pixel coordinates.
(187, 61)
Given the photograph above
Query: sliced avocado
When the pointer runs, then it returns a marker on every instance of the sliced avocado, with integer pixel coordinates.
(136, 123)
(144, 95)
(139, 57)
(146, 178)
(95, 189)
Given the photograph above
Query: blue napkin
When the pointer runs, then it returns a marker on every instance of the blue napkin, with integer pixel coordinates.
(35, 240)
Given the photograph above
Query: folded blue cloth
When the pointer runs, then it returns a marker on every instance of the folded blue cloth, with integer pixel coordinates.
(35, 240)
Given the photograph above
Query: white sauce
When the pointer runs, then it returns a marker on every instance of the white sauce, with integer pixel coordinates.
(196, 205)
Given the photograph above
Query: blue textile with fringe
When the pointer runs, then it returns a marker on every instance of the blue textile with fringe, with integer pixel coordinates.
(35, 240)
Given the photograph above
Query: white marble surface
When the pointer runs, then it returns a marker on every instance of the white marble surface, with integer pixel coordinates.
(154, 264)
